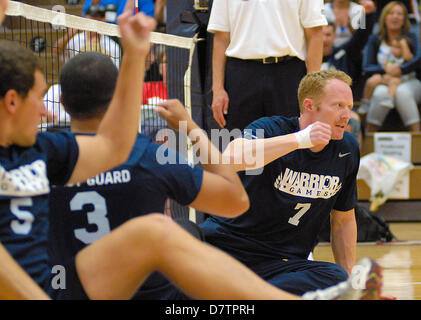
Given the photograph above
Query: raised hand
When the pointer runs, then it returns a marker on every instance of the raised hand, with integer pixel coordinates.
(320, 134)
(135, 30)
(174, 113)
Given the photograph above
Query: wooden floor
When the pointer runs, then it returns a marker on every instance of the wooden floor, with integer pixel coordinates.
(401, 261)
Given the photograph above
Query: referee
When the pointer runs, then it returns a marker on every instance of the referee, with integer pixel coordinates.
(261, 50)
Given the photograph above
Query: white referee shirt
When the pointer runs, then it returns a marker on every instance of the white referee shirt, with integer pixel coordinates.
(266, 28)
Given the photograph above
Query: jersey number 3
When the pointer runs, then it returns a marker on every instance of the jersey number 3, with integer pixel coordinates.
(97, 217)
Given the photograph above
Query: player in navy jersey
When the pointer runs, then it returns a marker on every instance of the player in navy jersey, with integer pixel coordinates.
(309, 168)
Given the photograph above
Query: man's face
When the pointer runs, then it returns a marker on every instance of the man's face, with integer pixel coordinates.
(29, 112)
(329, 37)
(335, 107)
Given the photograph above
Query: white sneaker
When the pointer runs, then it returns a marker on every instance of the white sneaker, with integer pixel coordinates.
(365, 283)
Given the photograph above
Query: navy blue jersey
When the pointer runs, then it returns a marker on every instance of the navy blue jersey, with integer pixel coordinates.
(291, 200)
(25, 176)
(83, 213)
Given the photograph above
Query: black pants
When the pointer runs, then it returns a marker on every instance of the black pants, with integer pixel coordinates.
(258, 90)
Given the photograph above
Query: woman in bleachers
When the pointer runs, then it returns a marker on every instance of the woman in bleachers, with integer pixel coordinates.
(393, 24)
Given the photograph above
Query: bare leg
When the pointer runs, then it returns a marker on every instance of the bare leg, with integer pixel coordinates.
(393, 85)
(115, 266)
(371, 84)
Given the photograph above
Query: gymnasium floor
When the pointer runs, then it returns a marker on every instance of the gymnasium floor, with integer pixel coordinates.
(401, 260)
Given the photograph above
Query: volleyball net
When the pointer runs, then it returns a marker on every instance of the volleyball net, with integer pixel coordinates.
(56, 36)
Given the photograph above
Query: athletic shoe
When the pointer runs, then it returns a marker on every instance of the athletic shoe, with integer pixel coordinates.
(365, 283)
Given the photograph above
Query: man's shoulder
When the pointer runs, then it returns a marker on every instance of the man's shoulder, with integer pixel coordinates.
(53, 137)
(273, 126)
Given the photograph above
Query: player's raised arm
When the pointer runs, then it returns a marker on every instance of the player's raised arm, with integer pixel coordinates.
(118, 130)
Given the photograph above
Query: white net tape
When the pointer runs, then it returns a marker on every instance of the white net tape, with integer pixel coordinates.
(58, 19)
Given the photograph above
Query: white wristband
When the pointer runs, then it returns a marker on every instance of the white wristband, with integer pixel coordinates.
(303, 138)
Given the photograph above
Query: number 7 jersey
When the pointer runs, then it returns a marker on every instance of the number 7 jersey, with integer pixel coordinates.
(291, 199)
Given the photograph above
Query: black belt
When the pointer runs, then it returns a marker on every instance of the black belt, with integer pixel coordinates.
(269, 60)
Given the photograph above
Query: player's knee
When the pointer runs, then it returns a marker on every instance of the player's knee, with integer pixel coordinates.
(150, 229)
(338, 272)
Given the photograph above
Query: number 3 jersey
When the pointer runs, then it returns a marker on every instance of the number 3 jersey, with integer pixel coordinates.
(25, 177)
(290, 200)
(83, 213)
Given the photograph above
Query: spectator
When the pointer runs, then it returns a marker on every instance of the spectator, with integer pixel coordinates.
(155, 86)
(117, 7)
(348, 56)
(55, 108)
(411, 6)
(354, 127)
(75, 41)
(399, 54)
(161, 14)
(346, 16)
(93, 41)
(393, 24)
(261, 50)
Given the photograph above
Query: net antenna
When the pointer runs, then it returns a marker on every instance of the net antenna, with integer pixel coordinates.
(137, 6)
(41, 29)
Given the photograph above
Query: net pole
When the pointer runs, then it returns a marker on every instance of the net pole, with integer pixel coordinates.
(188, 106)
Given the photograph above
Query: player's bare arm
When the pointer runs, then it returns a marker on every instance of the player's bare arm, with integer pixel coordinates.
(118, 129)
(15, 283)
(222, 192)
(344, 238)
(316, 136)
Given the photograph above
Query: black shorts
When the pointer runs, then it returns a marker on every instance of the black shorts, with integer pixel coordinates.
(64, 283)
